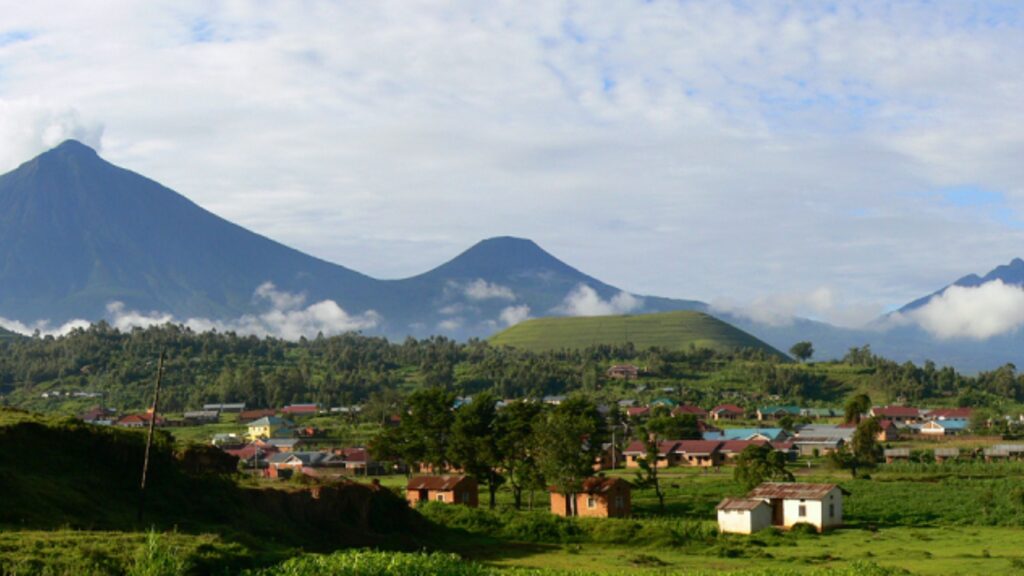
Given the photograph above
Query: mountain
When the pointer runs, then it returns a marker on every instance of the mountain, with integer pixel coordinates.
(1012, 273)
(77, 232)
(673, 330)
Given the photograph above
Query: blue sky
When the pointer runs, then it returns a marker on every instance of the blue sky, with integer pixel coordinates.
(824, 159)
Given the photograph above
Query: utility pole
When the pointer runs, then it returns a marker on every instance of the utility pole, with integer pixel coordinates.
(149, 437)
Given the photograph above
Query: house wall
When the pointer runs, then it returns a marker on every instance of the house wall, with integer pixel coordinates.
(634, 462)
(744, 521)
(614, 504)
(816, 511)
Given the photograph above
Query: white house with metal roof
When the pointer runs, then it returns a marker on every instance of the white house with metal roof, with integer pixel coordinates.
(787, 504)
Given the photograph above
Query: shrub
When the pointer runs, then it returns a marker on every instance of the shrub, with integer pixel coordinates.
(804, 529)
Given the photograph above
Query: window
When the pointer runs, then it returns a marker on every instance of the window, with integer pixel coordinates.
(620, 502)
(831, 510)
(440, 497)
(801, 511)
(465, 497)
(591, 502)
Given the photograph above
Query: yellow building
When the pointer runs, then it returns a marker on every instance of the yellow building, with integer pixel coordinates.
(268, 427)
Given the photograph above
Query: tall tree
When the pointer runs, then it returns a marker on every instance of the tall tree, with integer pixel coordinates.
(568, 439)
(424, 433)
(515, 434)
(761, 463)
(474, 442)
(802, 351)
(856, 407)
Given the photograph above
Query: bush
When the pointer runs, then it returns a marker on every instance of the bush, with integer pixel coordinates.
(804, 529)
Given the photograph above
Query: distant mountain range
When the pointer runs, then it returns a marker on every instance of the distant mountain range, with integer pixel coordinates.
(78, 233)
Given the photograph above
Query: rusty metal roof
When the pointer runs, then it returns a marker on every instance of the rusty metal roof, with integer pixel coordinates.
(791, 491)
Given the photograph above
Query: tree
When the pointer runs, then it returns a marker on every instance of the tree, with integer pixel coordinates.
(515, 434)
(855, 407)
(863, 451)
(761, 463)
(474, 442)
(802, 351)
(568, 439)
(682, 427)
(647, 475)
(424, 433)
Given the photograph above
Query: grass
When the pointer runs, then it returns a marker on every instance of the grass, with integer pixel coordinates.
(670, 330)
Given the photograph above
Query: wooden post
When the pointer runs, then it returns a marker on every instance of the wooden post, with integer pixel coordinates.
(149, 437)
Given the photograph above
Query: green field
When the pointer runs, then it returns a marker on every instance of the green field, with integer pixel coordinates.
(670, 330)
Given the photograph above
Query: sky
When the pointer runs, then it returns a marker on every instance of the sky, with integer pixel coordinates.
(827, 159)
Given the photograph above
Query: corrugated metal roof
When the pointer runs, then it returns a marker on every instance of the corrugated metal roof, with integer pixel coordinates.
(791, 491)
(442, 483)
(739, 504)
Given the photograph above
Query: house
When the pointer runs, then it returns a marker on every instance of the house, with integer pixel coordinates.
(267, 427)
(822, 439)
(777, 412)
(359, 462)
(727, 412)
(638, 412)
(888, 431)
(815, 413)
(698, 453)
(944, 427)
(943, 454)
(252, 455)
(247, 416)
(820, 505)
(225, 440)
(743, 515)
(950, 414)
(769, 434)
(597, 498)
(282, 444)
(139, 420)
(1001, 451)
(98, 416)
(237, 407)
(637, 451)
(898, 414)
(553, 400)
(731, 449)
(201, 416)
(666, 402)
(446, 489)
(608, 458)
(697, 411)
(894, 454)
(623, 372)
(301, 409)
(287, 464)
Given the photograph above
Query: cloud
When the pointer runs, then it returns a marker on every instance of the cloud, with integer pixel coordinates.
(975, 313)
(42, 327)
(480, 289)
(513, 315)
(285, 318)
(781, 309)
(585, 301)
(29, 126)
(450, 324)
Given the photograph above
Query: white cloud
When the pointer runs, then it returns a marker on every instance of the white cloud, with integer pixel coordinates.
(585, 301)
(286, 318)
(512, 315)
(480, 289)
(450, 324)
(791, 143)
(976, 313)
(822, 303)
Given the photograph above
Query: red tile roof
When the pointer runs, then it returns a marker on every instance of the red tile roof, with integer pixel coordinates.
(728, 408)
(740, 445)
(686, 409)
(637, 411)
(951, 413)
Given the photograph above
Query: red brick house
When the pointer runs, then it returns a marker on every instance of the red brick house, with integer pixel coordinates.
(598, 498)
(447, 489)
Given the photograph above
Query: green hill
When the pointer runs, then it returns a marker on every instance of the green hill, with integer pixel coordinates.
(671, 330)
(6, 334)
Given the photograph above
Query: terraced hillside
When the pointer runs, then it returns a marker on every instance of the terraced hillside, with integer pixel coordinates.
(671, 330)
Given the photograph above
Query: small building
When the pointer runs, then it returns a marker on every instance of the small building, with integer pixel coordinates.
(140, 420)
(447, 489)
(358, 461)
(99, 416)
(201, 416)
(637, 451)
(267, 427)
(777, 412)
(283, 444)
(743, 515)
(247, 416)
(769, 434)
(684, 409)
(609, 458)
(950, 414)
(898, 414)
(301, 410)
(1004, 451)
(731, 449)
(598, 498)
(897, 454)
(623, 372)
(287, 464)
(233, 407)
(727, 412)
(698, 453)
(820, 505)
(816, 413)
(943, 427)
(637, 412)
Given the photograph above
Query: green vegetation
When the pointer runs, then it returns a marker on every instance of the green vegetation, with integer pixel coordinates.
(668, 330)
